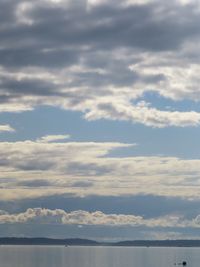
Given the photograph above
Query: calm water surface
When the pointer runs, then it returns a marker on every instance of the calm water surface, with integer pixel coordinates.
(58, 256)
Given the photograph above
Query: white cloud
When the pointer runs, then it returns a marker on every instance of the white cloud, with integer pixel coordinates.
(6, 128)
(137, 2)
(81, 217)
(118, 104)
(21, 13)
(143, 114)
(103, 77)
(32, 169)
(188, 2)
(95, 2)
(53, 138)
(179, 78)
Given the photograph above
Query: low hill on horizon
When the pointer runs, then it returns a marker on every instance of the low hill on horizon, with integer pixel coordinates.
(88, 242)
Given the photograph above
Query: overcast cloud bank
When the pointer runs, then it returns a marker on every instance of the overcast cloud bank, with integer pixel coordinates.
(100, 58)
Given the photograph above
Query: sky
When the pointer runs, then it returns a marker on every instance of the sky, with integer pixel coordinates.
(100, 119)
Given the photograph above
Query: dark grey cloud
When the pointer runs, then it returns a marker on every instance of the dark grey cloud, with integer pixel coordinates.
(89, 50)
(82, 184)
(33, 56)
(4, 162)
(34, 165)
(7, 11)
(28, 87)
(62, 31)
(118, 74)
(90, 169)
(34, 183)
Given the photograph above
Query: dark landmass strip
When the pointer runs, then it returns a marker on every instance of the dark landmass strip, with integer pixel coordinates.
(46, 241)
(159, 243)
(87, 242)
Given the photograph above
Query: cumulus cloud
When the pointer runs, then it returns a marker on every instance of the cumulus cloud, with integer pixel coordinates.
(100, 58)
(98, 218)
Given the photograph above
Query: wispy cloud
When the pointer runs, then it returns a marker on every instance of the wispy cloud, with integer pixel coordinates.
(53, 138)
(6, 128)
(31, 169)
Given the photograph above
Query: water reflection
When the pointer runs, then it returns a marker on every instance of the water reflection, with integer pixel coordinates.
(58, 256)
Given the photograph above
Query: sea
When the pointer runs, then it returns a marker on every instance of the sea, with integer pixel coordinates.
(84, 256)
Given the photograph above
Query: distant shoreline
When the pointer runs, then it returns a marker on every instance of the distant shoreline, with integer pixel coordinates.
(88, 242)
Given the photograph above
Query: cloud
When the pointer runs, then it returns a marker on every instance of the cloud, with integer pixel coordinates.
(34, 183)
(100, 58)
(144, 114)
(32, 169)
(82, 184)
(53, 138)
(6, 128)
(98, 218)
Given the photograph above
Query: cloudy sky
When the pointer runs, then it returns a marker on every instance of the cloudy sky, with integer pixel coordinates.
(100, 118)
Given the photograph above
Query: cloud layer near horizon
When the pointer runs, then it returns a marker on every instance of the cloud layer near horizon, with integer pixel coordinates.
(101, 58)
(97, 218)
